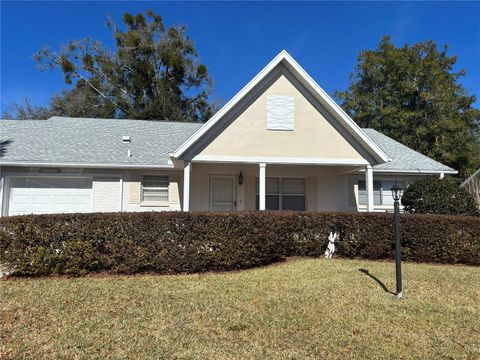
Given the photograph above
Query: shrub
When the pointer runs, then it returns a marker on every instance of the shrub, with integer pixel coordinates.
(439, 196)
(174, 242)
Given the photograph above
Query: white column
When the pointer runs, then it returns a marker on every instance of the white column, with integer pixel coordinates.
(186, 186)
(121, 193)
(262, 186)
(369, 182)
(2, 200)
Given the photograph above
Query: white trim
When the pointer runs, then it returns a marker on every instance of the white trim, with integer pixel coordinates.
(121, 193)
(380, 208)
(408, 172)
(369, 187)
(337, 110)
(2, 192)
(325, 99)
(85, 165)
(278, 160)
(261, 186)
(186, 186)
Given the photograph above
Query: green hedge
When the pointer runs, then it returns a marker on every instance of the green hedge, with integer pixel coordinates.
(431, 195)
(174, 242)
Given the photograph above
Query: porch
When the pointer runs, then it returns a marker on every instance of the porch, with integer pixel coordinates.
(264, 186)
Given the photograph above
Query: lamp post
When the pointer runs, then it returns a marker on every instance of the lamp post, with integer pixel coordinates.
(397, 194)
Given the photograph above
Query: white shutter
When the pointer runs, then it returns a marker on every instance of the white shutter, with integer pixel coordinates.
(155, 189)
(280, 112)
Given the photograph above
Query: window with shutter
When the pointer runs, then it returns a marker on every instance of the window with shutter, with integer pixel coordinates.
(154, 190)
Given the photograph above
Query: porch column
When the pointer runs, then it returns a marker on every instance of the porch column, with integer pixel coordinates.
(186, 186)
(261, 186)
(369, 182)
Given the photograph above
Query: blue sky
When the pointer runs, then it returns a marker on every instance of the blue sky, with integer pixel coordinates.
(235, 40)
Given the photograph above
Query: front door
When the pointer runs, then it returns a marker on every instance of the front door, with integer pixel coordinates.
(223, 196)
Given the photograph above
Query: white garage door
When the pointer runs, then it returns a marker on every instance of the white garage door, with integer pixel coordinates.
(49, 195)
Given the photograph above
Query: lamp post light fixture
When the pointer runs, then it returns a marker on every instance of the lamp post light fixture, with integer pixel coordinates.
(397, 192)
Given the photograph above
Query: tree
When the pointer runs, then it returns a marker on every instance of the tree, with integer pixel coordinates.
(74, 103)
(26, 111)
(154, 73)
(413, 95)
(78, 102)
(438, 196)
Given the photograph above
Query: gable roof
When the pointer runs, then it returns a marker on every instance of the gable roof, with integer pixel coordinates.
(403, 158)
(91, 142)
(284, 58)
(77, 142)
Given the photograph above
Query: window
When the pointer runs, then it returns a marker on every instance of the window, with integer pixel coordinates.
(280, 112)
(283, 194)
(381, 192)
(154, 190)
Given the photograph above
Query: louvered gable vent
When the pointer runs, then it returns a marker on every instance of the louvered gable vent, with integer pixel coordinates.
(280, 112)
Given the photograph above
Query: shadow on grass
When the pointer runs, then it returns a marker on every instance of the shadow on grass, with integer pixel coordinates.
(377, 280)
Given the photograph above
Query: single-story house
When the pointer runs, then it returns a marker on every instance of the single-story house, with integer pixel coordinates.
(281, 143)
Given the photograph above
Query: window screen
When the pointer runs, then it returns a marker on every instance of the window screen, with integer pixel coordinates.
(155, 189)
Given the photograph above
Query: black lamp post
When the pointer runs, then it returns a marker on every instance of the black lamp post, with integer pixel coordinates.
(397, 194)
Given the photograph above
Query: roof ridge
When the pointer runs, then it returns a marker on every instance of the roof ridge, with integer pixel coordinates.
(117, 119)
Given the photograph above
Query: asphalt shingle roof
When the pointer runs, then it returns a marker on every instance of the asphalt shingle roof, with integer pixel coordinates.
(92, 141)
(403, 158)
(99, 141)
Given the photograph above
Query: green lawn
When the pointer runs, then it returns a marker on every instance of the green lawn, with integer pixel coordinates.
(301, 309)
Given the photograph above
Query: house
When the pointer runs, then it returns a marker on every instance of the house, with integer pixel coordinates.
(472, 185)
(281, 143)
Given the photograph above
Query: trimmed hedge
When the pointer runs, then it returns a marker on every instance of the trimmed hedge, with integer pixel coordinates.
(439, 196)
(174, 242)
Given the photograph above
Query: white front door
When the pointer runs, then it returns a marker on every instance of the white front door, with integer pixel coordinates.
(48, 195)
(223, 195)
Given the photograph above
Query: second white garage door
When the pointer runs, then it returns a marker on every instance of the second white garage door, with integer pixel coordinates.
(47, 195)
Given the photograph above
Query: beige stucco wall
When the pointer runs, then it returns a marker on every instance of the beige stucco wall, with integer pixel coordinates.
(132, 190)
(325, 187)
(328, 188)
(313, 137)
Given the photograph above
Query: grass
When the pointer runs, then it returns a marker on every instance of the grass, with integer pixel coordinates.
(301, 309)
